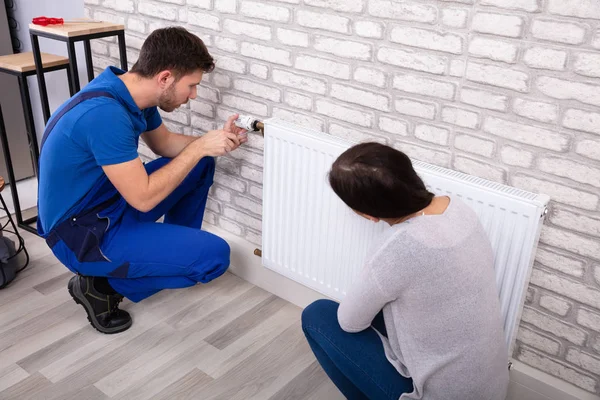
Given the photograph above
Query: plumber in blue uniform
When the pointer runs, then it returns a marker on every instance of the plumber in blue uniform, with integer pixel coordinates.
(98, 203)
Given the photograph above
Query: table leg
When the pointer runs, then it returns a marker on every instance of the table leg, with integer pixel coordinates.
(88, 59)
(123, 51)
(29, 122)
(73, 65)
(37, 57)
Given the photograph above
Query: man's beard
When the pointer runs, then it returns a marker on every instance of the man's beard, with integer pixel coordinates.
(166, 102)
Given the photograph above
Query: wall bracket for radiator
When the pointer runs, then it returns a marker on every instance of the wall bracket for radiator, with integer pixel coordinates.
(310, 236)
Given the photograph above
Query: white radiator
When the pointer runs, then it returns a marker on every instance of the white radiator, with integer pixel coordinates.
(312, 237)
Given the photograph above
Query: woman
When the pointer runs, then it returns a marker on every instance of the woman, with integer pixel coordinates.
(440, 334)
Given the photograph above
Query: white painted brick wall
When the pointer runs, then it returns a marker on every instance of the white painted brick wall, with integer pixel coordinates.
(508, 90)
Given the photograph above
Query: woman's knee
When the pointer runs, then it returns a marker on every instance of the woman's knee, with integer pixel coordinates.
(319, 312)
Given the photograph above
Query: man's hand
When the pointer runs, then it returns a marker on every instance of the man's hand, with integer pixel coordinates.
(239, 132)
(220, 142)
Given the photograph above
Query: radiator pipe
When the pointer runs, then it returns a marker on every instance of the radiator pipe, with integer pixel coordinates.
(258, 252)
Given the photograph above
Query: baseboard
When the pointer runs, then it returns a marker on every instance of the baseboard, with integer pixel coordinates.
(527, 383)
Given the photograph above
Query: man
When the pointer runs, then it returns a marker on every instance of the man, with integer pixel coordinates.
(98, 203)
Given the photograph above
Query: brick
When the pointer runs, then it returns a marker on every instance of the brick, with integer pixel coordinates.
(597, 274)
(558, 192)
(230, 226)
(296, 81)
(343, 113)
(457, 68)
(416, 108)
(230, 182)
(292, 38)
(521, 5)
(574, 243)
(117, 19)
(251, 174)
(596, 39)
(497, 50)
(253, 237)
(213, 205)
(403, 11)
(369, 76)
(255, 191)
(230, 64)
(265, 11)
(204, 4)
(583, 360)
(134, 41)
(527, 134)
(99, 48)
(177, 115)
(227, 44)
(425, 154)
(432, 134)
(555, 31)
(226, 6)
(575, 8)
(427, 39)
(202, 123)
(557, 369)
(587, 64)
(424, 86)
(323, 66)
(555, 305)
(498, 24)
(554, 326)
(221, 80)
(565, 264)
(368, 29)
(413, 60)
(246, 155)
(359, 96)
(588, 148)
(248, 205)
(252, 30)
(569, 90)
(508, 78)
(575, 221)
(353, 135)
(455, 17)
(155, 10)
(484, 99)
(136, 25)
(298, 100)
(210, 218)
(351, 6)
(257, 89)
(343, 48)
(460, 117)
(518, 157)
(266, 53)
(222, 194)
(259, 70)
(228, 165)
(299, 119)
(543, 58)
(480, 168)
(393, 125)
(207, 93)
(474, 144)
(119, 5)
(328, 22)
(537, 341)
(570, 169)
(589, 319)
(244, 104)
(204, 20)
(530, 296)
(536, 110)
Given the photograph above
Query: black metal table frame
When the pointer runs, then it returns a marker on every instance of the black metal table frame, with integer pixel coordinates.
(31, 137)
(74, 86)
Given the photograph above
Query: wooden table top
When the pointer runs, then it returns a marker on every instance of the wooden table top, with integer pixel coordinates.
(23, 62)
(73, 29)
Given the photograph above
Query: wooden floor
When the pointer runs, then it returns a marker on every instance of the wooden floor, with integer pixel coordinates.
(224, 340)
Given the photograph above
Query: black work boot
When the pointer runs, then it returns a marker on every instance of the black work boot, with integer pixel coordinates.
(102, 309)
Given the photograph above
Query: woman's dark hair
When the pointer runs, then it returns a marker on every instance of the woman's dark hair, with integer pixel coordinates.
(379, 181)
(174, 49)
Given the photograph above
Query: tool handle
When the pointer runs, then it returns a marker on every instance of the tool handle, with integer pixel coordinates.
(45, 21)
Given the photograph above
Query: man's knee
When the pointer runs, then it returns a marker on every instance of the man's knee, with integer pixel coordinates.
(204, 171)
(320, 311)
(212, 265)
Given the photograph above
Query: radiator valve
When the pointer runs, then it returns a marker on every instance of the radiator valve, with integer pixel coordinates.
(249, 123)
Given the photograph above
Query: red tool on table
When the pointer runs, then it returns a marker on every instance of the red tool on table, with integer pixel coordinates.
(45, 21)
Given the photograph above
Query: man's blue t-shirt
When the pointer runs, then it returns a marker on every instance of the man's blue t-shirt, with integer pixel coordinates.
(99, 131)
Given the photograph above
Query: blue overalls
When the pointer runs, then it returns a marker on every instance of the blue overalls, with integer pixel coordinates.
(105, 236)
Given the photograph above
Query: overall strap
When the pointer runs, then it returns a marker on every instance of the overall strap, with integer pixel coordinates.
(80, 97)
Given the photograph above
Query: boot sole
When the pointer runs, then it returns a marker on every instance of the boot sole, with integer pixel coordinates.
(79, 297)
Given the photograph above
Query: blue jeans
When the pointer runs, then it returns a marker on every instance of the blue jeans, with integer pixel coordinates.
(355, 362)
(141, 257)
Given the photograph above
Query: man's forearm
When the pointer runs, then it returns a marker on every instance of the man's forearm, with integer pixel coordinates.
(175, 144)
